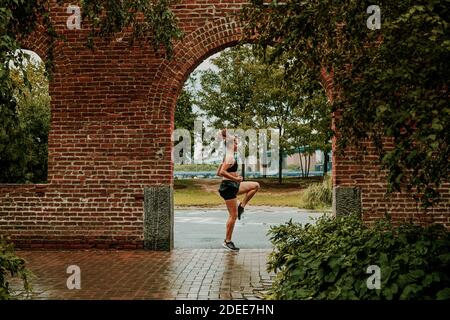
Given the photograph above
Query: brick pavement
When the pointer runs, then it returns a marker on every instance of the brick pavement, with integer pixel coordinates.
(181, 274)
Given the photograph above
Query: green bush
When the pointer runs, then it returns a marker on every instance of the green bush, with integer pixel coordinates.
(11, 266)
(318, 195)
(329, 260)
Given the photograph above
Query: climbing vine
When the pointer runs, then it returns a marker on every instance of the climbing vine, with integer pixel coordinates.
(390, 82)
(150, 21)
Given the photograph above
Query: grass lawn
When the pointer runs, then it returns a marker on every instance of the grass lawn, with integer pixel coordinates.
(203, 192)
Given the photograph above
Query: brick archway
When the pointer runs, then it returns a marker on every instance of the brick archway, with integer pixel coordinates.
(110, 173)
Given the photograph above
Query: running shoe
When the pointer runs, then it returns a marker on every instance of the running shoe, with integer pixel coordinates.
(240, 211)
(230, 246)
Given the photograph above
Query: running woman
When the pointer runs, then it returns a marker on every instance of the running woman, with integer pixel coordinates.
(233, 185)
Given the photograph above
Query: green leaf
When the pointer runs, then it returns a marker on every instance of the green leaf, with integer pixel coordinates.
(443, 294)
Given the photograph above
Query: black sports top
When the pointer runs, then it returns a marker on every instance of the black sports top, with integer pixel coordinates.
(234, 167)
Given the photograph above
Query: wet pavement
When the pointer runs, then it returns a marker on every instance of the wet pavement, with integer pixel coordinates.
(198, 268)
(189, 274)
(205, 227)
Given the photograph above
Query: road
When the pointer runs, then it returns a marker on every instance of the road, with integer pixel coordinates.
(204, 228)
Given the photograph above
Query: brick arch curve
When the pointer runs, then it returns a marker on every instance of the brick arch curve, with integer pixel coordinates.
(37, 45)
(205, 41)
(38, 41)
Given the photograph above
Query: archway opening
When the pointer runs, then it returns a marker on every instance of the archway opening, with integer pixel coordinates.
(24, 141)
(234, 89)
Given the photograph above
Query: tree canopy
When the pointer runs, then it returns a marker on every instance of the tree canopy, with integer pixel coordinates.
(243, 92)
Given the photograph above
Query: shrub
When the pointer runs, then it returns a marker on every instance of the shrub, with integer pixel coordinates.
(11, 266)
(318, 195)
(329, 260)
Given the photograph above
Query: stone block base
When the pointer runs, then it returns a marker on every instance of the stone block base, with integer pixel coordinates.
(158, 218)
(346, 200)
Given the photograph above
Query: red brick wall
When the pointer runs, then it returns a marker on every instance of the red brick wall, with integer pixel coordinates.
(112, 118)
(356, 168)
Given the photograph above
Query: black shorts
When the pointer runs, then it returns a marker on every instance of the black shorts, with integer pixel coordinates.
(228, 189)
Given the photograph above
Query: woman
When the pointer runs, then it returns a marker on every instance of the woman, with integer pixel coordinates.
(231, 186)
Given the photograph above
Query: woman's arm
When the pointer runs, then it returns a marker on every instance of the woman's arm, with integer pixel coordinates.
(218, 170)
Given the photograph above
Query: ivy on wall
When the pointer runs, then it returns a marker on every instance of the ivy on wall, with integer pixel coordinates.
(391, 78)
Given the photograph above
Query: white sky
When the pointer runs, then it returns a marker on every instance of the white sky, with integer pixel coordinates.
(34, 58)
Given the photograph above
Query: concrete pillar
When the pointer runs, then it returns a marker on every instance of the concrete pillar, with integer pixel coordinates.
(346, 200)
(158, 218)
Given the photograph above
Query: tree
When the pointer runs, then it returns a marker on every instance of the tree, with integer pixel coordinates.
(391, 83)
(23, 153)
(226, 96)
(317, 112)
(184, 114)
(313, 131)
(246, 93)
(274, 108)
(24, 159)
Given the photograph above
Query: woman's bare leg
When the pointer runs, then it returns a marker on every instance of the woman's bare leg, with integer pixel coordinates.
(250, 188)
(232, 210)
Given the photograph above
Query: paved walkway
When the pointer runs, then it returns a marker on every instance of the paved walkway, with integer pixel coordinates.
(197, 269)
(181, 274)
(205, 227)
